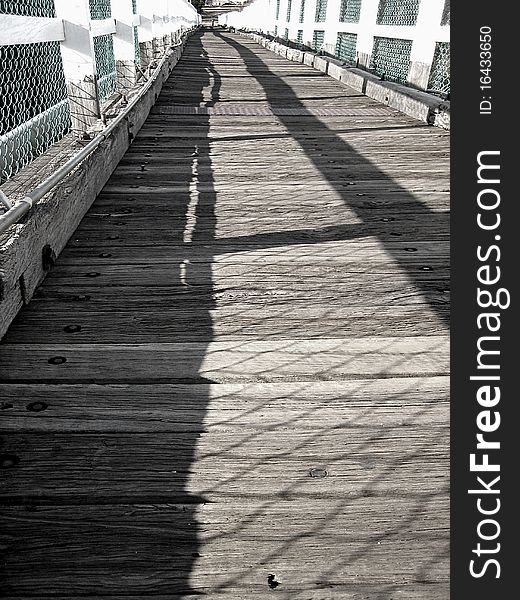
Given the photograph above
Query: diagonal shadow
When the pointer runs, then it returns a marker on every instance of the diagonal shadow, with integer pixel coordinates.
(432, 225)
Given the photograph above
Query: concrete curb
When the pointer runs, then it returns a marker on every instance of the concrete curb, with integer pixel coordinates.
(414, 103)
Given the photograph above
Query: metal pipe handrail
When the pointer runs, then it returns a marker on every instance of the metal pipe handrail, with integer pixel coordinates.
(24, 205)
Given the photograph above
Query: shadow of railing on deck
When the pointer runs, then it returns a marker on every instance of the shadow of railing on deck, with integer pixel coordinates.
(160, 535)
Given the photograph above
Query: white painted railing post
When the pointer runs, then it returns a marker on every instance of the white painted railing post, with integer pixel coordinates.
(173, 21)
(147, 28)
(124, 44)
(365, 39)
(161, 37)
(426, 33)
(79, 65)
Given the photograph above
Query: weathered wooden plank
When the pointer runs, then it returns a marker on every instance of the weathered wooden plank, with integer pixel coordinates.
(417, 591)
(397, 292)
(175, 274)
(297, 359)
(366, 249)
(396, 402)
(209, 466)
(168, 324)
(234, 560)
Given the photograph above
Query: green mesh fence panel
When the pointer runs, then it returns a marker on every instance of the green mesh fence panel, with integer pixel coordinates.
(440, 72)
(105, 66)
(318, 37)
(302, 11)
(321, 11)
(286, 34)
(445, 20)
(349, 11)
(299, 36)
(391, 58)
(277, 9)
(137, 51)
(398, 12)
(34, 111)
(289, 6)
(346, 46)
(28, 8)
(100, 9)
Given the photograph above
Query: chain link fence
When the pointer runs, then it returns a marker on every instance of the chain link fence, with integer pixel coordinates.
(302, 11)
(28, 8)
(349, 11)
(398, 12)
(34, 110)
(321, 11)
(100, 9)
(391, 58)
(445, 19)
(346, 47)
(137, 50)
(439, 81)
(318, 39)
(106, 74)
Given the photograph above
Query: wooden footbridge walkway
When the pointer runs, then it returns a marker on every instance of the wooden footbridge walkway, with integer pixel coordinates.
(233, 383)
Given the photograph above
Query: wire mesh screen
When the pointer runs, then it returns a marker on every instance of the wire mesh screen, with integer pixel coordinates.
(277, 9)
(349, 11)
(28, 8)
(318, 38)
(100, 9)
(302, 11)
(440, 72)
(276, 31)
(105, 66)
(321, 11)
(34, 111)
(137, 51)
(391, 58)
(398, 12)
(289, 6)
(445, 19)
(346, 46)
(299, 36)
(286, 34)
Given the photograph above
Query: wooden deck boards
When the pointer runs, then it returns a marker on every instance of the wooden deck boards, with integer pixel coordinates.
(238, 367)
